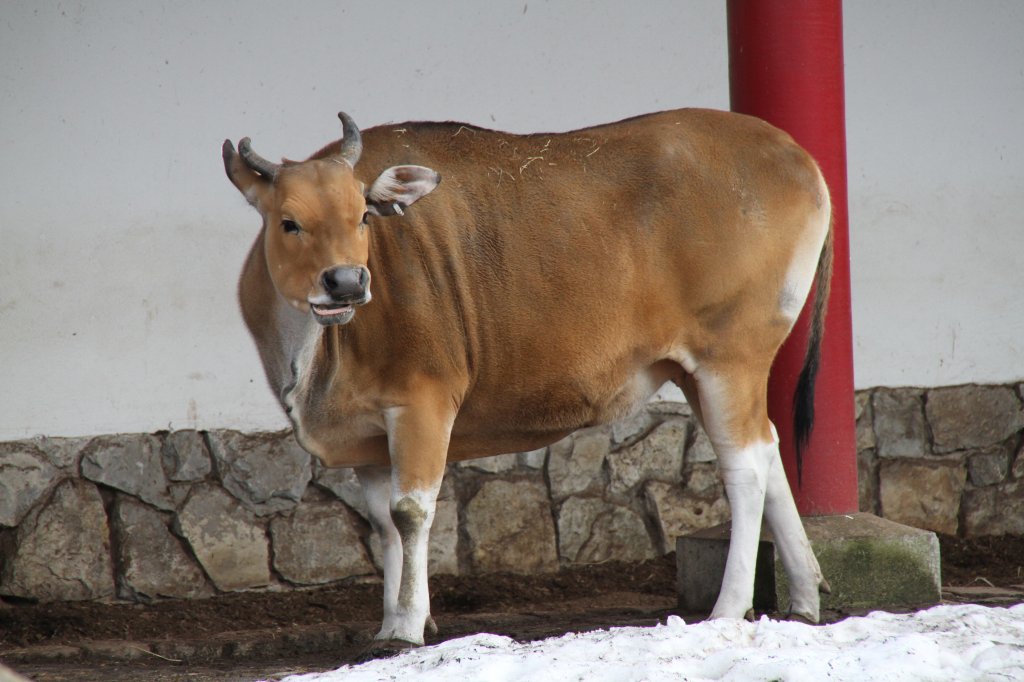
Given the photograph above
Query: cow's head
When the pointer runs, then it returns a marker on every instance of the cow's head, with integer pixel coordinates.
(315, 217)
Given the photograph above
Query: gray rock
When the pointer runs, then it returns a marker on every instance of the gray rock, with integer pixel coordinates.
(963, 417)
(704, 480)
(152, 561)
(679, 511)
(867, 481)
(922, 494)
(994, 510)
(130, 463)
(225, 537)
(344, 484)
(700, 449)
(267, 472)
(62, 452)
(318, 543)
(1018, 463)
(62, 551)
(633, 427)
(534, 459)
(864, 414)
(25, 476)
(591, 530)
(899, 423)
(510, 528)
(185, 456)
(443, 557)
(495, 464)
(575, 464)
(988, 466)
(657, 457)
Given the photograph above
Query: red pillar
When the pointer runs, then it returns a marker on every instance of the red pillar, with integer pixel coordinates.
(786, 66)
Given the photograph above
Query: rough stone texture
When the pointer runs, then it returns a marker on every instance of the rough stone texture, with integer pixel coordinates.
(267, 472)
(964, 417)
(700, 449)
(62, 550)
(575, 464)
(25, 476)
(131, 464)
(922, 494)
(864, 415)
(899, 423)
(62, 452)
(153, 562)
(442, 552)
(497, 464)
(509, 528)
(631, 428)
(591, 530)
(657, 457)
(344, 484)
(534, 459)
(994, 510)
(1018, 464)
(988, 466)
(185, 456)
(318, 543)
(679, 511)
(226, 539)
(867, 481)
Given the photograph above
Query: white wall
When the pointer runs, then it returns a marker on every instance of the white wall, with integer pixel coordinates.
(121, 239)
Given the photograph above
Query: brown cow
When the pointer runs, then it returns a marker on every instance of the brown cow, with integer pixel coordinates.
(552, 282)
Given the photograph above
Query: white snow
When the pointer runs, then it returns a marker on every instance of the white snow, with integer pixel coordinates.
(961, 643)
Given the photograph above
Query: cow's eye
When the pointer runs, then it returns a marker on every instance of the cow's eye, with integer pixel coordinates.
(290, 226)
(366, 218)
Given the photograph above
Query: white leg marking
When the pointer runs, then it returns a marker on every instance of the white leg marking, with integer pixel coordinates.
(412, 513)
(745, 472)
(376, 483)
(805, 579)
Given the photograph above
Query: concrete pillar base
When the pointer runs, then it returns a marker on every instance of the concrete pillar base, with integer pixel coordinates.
(870, 563)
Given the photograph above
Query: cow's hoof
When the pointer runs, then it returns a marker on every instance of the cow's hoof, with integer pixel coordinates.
(430, 626)
(384, 648)
(797, 617)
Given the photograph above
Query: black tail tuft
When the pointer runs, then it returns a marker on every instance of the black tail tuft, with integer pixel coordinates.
(803, 398)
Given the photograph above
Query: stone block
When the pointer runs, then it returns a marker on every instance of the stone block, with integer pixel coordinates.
(870, 563)
(1017, 470)
(495, 464)
(343, 483)
(922, 494)
(575, 465)
(867, 481)
(510, 528)
(994, 510)
(185, 456)
(62, 550)
(267, 472)
(151, 560)
(899, 424)
(319, 543)
(226, 538)
(63, 453)
(700, 449)
(534, 459)
(442, 551)
(26, 475)
(864, 415)
(658, 457)
(988, 466)
(130, 463)
(678, 511)
(963, 417)
(591, 530)
(632, 428)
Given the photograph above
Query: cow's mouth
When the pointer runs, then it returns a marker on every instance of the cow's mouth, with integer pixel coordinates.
(333, 313)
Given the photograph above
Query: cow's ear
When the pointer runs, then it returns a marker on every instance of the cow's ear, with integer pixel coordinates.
(251, 184)
(399, 187)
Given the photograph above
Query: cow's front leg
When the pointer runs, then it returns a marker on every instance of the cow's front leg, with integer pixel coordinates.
(418, 438)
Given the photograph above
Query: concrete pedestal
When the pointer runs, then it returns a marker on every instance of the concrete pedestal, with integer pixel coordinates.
(868, 561)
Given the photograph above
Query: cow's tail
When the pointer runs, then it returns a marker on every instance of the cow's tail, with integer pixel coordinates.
(803, 397)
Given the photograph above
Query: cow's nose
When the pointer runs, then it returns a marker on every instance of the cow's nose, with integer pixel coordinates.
(346, 283)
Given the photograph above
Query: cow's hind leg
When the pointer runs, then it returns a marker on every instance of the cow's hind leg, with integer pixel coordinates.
(733, 407)
(376, 484)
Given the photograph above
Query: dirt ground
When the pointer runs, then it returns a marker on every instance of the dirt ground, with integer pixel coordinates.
(267, 635)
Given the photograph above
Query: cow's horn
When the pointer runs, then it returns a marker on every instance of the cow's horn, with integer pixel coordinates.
(352, 141)
(255, 161)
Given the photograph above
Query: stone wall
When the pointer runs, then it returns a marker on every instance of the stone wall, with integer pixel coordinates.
(190, 514)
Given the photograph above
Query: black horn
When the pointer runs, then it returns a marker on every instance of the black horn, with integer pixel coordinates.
(256, 162)
(351, 141)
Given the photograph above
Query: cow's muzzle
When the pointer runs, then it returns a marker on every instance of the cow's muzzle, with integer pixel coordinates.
(344, 287)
